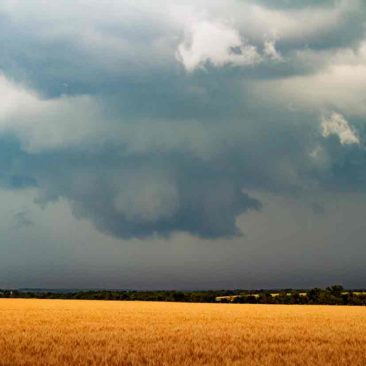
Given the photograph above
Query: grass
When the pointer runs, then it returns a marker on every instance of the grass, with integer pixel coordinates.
(72, 332)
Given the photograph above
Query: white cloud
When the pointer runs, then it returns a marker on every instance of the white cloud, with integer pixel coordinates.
(270, 51)
(215, 43)
(129, 37)
(69, 121)
(339, 83)
(261, 22)
(46, 124)
(336, 124)
(296, 24)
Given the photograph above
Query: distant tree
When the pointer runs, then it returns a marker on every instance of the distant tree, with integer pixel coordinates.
(335, 289)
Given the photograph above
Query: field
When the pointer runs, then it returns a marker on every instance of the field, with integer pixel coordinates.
(72, 332)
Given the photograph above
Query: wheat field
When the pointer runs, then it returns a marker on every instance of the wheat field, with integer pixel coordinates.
(72, 332)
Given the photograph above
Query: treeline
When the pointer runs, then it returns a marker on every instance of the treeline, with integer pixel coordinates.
(172, 296)
(334, 295)
(176, 296)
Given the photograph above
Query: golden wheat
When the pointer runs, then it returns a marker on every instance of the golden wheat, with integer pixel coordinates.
(71, 332)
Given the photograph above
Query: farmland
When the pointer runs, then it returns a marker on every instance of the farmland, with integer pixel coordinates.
(83, 332)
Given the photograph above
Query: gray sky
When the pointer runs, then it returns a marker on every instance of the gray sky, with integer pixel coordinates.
(170, 144)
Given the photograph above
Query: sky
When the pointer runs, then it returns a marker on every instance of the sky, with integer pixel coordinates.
(198, 144)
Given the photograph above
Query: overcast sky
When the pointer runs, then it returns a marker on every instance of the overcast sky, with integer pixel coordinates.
(182, 144)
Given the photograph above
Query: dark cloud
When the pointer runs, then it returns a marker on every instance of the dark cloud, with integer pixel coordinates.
(172, 150)
(136, 48)
(124, 164)
(139, 197)
(22, 219)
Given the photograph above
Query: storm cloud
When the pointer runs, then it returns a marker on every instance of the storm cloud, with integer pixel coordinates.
(151, 119)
